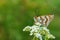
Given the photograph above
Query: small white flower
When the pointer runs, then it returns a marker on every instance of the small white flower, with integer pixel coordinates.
(24, 29)
(37, 23)
(45, 28)
(31, 33)
(51, 36)
(38, 36)
(34, 28)
(27, 28)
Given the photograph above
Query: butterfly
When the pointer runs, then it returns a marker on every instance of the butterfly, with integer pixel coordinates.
(44, 20)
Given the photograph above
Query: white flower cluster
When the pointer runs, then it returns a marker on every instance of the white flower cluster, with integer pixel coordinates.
(38, 31)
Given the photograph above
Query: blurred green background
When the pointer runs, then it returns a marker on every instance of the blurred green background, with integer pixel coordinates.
(16, 14)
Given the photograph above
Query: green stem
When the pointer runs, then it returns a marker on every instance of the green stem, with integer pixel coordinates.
(46, 38)
(33, 38)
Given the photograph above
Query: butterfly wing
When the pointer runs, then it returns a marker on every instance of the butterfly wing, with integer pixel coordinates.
(44, 20)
